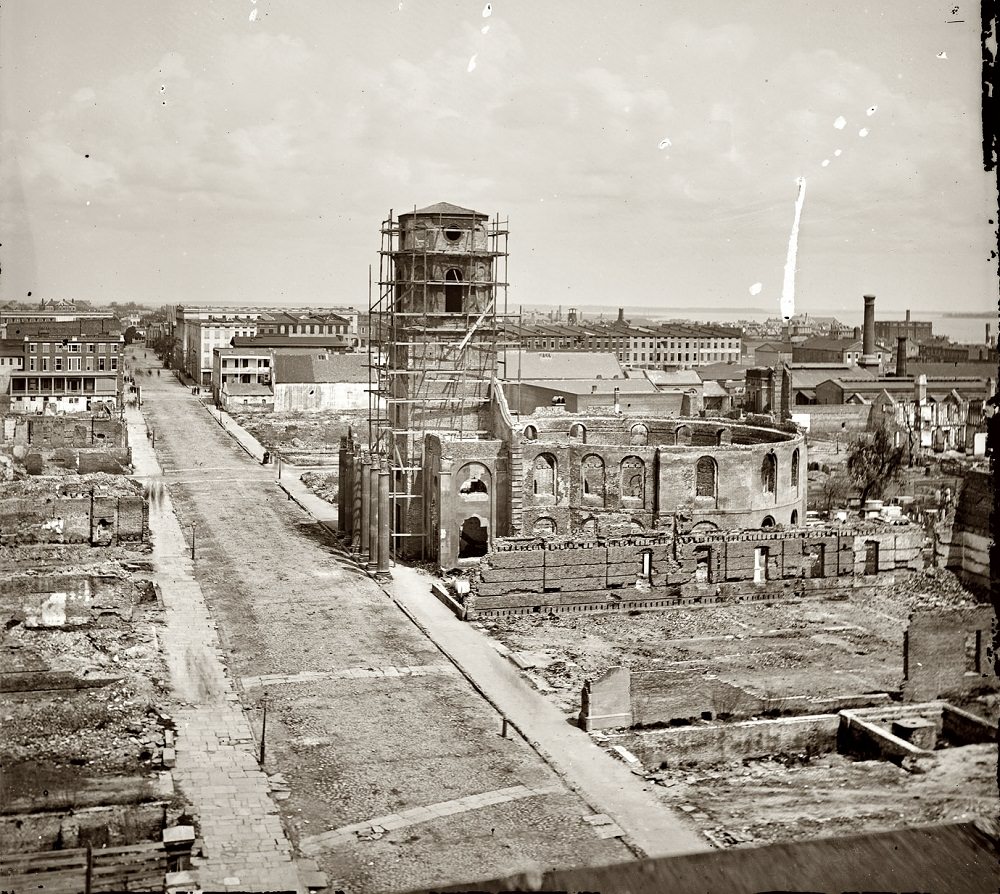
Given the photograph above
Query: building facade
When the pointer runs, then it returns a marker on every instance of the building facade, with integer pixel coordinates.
(67, 367)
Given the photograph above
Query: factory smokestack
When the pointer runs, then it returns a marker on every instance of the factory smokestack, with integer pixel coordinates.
(621, 314)
(868, 335)
(900, 356)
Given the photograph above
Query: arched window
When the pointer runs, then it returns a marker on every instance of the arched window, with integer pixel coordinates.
(589, 527)
(530, 433)
(544, 475)
(724, 436)
(633, 482)
(682, 435)
(578, 430)
(453, 289)
(795, 517)
(592, 474)
(769, 474)
(705, 478)
(795, 468)
(545, 527)
(474, 482)
(768, 522)
(636, 527)
(639, 435)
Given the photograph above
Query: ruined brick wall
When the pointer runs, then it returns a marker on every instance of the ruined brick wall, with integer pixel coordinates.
(25, 520)
(610, 477)
(948, 652)
(99, 520)
(967, 544)
(521, 575)
(618, 492)
(49, 432)
(449, 466)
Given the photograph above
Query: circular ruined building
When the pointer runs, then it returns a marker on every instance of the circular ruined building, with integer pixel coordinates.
(598, 475)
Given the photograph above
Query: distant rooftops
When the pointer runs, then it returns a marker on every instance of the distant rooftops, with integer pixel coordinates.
(559, 365)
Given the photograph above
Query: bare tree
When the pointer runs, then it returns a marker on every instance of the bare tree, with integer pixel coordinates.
(874, 464)
(834, 489)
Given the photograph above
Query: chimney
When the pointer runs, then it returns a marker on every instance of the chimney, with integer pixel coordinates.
(907, 315)
(900, 356)
(868, 335)
(920, 389)
(857, 333)
(621, 314)
(989, 343)
(618, 405)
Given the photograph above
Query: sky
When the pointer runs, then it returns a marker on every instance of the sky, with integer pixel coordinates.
(645, 153)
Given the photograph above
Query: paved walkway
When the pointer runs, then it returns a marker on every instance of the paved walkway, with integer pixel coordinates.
(604, 782)
(374, 828)
(245, 848)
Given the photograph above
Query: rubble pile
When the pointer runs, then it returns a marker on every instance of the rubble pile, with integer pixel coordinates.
(324, 484)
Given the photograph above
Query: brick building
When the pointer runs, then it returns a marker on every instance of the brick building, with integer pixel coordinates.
(67, 367)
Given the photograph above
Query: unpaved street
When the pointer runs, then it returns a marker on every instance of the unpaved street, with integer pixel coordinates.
(385, 728)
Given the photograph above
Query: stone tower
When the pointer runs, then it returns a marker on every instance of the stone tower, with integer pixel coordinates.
(435, 336)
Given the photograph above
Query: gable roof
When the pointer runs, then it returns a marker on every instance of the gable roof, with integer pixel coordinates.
(318, 367)
(824, 343)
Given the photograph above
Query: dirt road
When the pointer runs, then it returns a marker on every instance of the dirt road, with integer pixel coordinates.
(379, 727)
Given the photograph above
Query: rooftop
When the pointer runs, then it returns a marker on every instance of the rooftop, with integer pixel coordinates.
(559, 365)
(319, 368)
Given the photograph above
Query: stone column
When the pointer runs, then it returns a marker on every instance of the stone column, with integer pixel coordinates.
(356, 501)
(366, 499)
(341, 485)
(373, 519)
(384, 521)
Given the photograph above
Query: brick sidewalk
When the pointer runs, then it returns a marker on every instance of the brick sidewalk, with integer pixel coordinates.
(245, 848)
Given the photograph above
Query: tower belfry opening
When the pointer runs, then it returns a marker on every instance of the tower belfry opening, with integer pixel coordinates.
(437, 327)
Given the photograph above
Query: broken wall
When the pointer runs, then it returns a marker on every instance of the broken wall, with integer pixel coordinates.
(657, 570)
(100, 521)
(948, 652)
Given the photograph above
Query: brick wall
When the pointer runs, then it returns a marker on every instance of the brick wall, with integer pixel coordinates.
(76, 431)
(827, 420)
(948, 652)
(100, 521)
(527, 574)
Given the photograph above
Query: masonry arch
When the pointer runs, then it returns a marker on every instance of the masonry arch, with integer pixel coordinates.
(578, 430)
(639, 435)
(633, 482)
(543, 473)
(475, 482)
(545, 526)
(794, 475)
(530, 433)
(769, 474)
(706, 479)
(593, 480)
(682, 436)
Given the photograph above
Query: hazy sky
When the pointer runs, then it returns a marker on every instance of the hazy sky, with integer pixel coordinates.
(202, 150)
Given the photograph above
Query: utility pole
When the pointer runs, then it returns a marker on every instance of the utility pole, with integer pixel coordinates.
(192, 542)
(263, 730)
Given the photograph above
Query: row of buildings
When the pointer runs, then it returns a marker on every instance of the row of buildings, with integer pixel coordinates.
(195, 333)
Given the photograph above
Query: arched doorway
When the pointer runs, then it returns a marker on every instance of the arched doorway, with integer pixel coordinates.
(473, 541)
